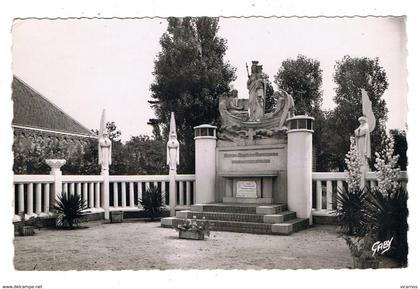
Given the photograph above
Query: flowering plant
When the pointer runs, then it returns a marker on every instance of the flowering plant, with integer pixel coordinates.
(194, 225)
(386, 164)
(354, 163)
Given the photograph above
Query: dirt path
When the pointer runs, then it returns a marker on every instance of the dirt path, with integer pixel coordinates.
(142, 245)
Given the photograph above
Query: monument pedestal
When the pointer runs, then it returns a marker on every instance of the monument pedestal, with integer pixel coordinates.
(251, 174)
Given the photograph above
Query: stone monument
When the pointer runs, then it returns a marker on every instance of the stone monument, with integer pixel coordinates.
(104, 159)
(362, 134)
(252, 153)
(172, 160)
(104, 146)
(255, 174)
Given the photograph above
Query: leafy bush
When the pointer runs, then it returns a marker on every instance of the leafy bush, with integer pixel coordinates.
(70, 209)
(388, 215)
(152, 202)
(351, 212)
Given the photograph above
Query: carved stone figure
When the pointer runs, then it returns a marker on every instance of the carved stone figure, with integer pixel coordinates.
(362, 133)
(256, 85)
(244, 120)
(172, 152)
(104, 146)
(172, 147)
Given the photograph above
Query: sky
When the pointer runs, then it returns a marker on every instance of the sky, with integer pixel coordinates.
(86, 65)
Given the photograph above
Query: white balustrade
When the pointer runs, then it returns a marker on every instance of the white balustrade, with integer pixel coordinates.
(72, 189)
(188, 192)
(84, 193)
(36, 194)
(30, 199)
(337, 180)
(47, 198)
(131, 194)
(21, 198)
(140, 192)
(97, 195)
(33, 190)
(123, 195)
(115, 203)
(91, 192)
(181, 193)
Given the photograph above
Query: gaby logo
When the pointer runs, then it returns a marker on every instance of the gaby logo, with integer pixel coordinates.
(381, 247)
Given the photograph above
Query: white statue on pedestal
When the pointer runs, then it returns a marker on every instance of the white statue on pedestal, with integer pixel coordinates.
(362, 133)
(172, 147)
(104, 146)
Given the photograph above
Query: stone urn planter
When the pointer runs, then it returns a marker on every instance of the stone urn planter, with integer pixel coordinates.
(192, 235)
(363, 263)
(117, 216)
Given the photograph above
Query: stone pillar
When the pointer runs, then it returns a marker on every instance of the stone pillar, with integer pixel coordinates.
(172, 160)
(205, 163)
(105, 195)
(55, 165)
(104, 158)
(299, 165)
(172, 192)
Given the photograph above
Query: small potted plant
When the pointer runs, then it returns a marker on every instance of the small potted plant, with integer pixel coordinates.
(26, 227)
(194, 229)
(361, 250)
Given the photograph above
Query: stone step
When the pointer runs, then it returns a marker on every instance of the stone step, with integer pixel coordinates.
(238, 217)
(222, 216)
(285, 228)
(290, 226)
(279, 218)
(240, 208)
(231, 226)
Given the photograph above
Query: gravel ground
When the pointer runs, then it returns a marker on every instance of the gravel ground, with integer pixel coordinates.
(145, 245)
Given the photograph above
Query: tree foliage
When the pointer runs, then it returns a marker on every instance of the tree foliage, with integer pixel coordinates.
(400, 147)
(190, 74)
(302, 79)
(140, 155)
(351, 75)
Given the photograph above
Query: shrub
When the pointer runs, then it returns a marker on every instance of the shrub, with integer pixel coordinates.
(152, 202)
(351, 212)
(388, 215)
(70, 209)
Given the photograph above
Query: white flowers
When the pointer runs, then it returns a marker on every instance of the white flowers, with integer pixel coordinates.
(354, 163)
(387, 167)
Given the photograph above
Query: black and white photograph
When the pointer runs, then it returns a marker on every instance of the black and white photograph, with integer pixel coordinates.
(210, 143)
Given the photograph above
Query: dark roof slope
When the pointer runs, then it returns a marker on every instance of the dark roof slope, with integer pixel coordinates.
(31, 109)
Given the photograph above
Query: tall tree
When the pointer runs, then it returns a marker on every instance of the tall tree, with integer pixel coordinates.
(351, 75)
(190, 75)
(145, 155)
(302, 79)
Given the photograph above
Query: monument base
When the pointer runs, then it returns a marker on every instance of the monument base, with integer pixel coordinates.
(251, 174)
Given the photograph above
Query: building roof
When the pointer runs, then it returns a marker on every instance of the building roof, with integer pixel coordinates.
(31, 110)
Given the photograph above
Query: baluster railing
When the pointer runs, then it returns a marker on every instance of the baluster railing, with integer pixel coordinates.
(35, 194)
(338, 180)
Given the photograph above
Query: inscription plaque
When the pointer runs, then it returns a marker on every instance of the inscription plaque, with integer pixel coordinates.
(246, 189)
